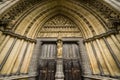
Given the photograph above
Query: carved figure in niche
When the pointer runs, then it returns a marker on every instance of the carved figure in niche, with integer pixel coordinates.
(59, 48)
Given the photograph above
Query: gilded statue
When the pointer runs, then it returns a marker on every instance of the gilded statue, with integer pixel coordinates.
(59, 48)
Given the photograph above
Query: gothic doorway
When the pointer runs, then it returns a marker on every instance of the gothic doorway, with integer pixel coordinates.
(71, 60)
(45, 57)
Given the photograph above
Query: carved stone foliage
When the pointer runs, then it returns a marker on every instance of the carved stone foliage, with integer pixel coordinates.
(15, 11)
(59, 21)
(59, 25)
(22, 5)
(114, 24)
(102, 9)
(4, 22)
(12, 34)
(110, 15)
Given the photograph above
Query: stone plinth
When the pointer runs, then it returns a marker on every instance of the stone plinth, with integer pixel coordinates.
(59, 70)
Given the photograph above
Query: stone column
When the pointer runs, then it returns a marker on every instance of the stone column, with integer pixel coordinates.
(85, 62)
(34, 64)
(59, 70)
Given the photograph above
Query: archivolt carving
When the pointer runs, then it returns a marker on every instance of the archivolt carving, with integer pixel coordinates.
(16, 10)
(101, 9)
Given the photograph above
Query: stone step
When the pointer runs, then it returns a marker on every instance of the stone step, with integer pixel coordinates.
(97, 77)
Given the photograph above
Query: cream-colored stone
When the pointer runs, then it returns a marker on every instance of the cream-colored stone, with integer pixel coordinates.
(114, 48)
(19, 58)
(118, 37)
(15, 56)
(10, 61)
(115, 41)
(92, 59)
(105, 57)
(111, 61)
(27, 58)
(26, 21)
(0, 33)
(101, 59)
(5, 49)
(2, 39)
(3, 43)
(25, 61)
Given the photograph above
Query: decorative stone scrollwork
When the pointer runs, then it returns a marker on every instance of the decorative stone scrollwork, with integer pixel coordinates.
(103, 10)
(15, 11)
(6, 23)
(59, 24)
(19, 36)
(101, 35)
(59, 21)
(114, 24)
(3, 22)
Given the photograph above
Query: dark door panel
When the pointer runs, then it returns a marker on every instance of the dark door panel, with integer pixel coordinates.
(71, 61)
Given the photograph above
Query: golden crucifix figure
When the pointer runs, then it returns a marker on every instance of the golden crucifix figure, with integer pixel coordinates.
(59, 48)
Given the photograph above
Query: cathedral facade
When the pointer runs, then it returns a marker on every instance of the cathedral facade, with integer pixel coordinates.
(59, 40)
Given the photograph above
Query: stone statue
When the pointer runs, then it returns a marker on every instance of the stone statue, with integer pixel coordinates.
(59, 48)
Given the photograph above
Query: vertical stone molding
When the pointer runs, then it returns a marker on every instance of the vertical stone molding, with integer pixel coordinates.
(27, 58)
(84, 59)
(20, 58)
(34, 64)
